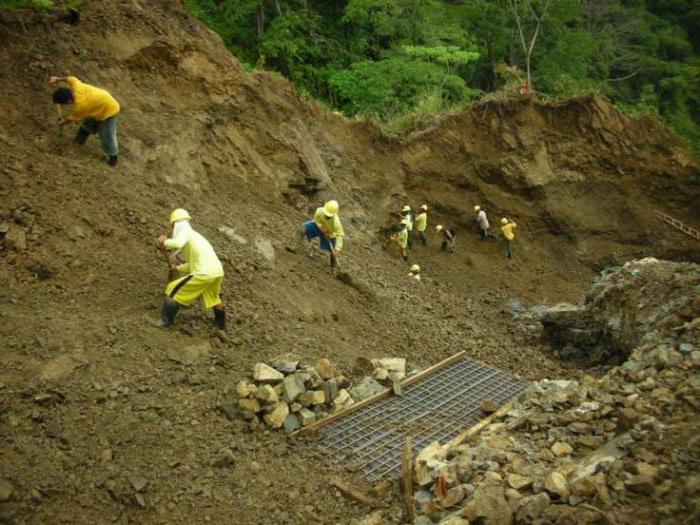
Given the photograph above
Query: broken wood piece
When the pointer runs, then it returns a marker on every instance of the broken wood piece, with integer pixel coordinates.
(473, 431)
(353, 490)
(407, 475)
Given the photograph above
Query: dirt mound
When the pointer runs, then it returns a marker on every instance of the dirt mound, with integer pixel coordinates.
(100, 422)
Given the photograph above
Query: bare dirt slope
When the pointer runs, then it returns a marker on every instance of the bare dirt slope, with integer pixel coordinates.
(91, 403)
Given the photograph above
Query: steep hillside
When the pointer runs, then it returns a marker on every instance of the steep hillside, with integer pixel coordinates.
(246, 152)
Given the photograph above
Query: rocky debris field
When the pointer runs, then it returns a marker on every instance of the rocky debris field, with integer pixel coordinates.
(288, 394)
(622, 448)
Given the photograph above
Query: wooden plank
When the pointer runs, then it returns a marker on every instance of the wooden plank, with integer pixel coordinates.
(473, 431)
(353, 491)
(407, 476)
(310, 430)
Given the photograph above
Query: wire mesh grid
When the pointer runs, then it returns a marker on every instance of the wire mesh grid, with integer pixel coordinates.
(370, 440)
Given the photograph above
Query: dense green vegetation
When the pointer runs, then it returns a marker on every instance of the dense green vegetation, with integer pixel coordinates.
(389, 57)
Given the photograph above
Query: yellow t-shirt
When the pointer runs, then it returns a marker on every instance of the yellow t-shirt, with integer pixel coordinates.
(332, 227)
(421, 222)
(91, 102)
(507, 230)
(402, 238)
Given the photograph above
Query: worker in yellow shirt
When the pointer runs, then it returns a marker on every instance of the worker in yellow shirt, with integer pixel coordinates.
(401, 238)
(327, 227)
(202, 272)
(508, 234)
(95, 108)
(421, 223)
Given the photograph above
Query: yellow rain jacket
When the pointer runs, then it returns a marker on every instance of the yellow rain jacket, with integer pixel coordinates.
(507, 230)
(421, 221)
(91, 102)
(331, 227)
(402, 237)
(196, 250)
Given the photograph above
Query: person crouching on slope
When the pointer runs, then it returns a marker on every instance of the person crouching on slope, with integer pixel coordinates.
(422, 223)
(327, 227)
(202, 272)
(97, 110)
(448, 238)
(508, 235)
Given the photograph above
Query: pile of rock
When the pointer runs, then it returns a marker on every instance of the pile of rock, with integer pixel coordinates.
(288, 394)
(593, 450)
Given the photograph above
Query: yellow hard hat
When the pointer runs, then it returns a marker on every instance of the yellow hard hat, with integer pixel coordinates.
(424, 207)
(415, 268)
(477, 207)
(406, 208)
(504, 221)
(179, 215)
(438, 228)
(330, 208)
(404, 222)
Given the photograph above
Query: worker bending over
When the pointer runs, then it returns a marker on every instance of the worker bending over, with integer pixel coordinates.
(202, 272)
(448, 236)
(508, 234)
(327, 227)
(95, 108)
(401, 238)
(422, 223)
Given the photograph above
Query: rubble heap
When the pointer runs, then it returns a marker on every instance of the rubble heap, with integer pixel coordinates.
(289, 394)
(620, 448)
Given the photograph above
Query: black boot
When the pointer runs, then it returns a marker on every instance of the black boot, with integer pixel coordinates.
(334, 261)
(81, 136)
(168, 313)
(220, 318)
(112, 160)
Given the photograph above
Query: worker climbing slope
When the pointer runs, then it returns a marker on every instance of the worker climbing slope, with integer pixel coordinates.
(327, 227)
(95, 108)
(422, 223)
(202, 272)
(509, 235)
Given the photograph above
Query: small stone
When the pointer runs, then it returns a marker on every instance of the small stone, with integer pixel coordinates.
(342, 381)
(106, 456)
(267, 394)
(291, 423)
(490, 504)
(6, 490)
(314, 397)
(518, 482)
(393, 364)
(293, 387)
(306, 417)
(330, 388)
(342, 398)
(532, 507)
(224, 458)
(380, 374)
(488, 406)
(245, 389)
(278, 415)
(249, 405)
(561, 449)
(367, 387)
(266, 374)
(555, 483)
(138, 483)
(191, 354)
(324, 368)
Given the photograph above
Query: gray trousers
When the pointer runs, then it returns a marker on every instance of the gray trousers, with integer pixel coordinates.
(107, 130)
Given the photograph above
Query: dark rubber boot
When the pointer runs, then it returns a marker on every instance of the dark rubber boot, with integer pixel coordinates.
(334, 261)
(220, 318)
(81, 136)
(112, 160)
(168, 313)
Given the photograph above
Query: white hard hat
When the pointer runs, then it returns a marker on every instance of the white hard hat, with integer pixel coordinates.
(477, 207)
(404, 222)
(424, 207)
(415, 268)
(330, 208)
(406, 208)
(179, 215)
(438, 228)
(504, 221)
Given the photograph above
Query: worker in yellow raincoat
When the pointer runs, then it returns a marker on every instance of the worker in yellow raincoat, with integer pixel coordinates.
(327, 227)
(202, 272)
(421, 223)
(401, 238)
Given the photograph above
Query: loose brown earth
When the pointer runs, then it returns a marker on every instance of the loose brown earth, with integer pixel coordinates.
(245, 151)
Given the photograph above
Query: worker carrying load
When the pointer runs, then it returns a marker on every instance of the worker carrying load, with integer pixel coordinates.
(414, 272)
(327, 227)
(422, 223)
(448, 236)
(508, 234)
(95, 108)
(202, 272)
(401, 238)
(482, 223)
(407, 214)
